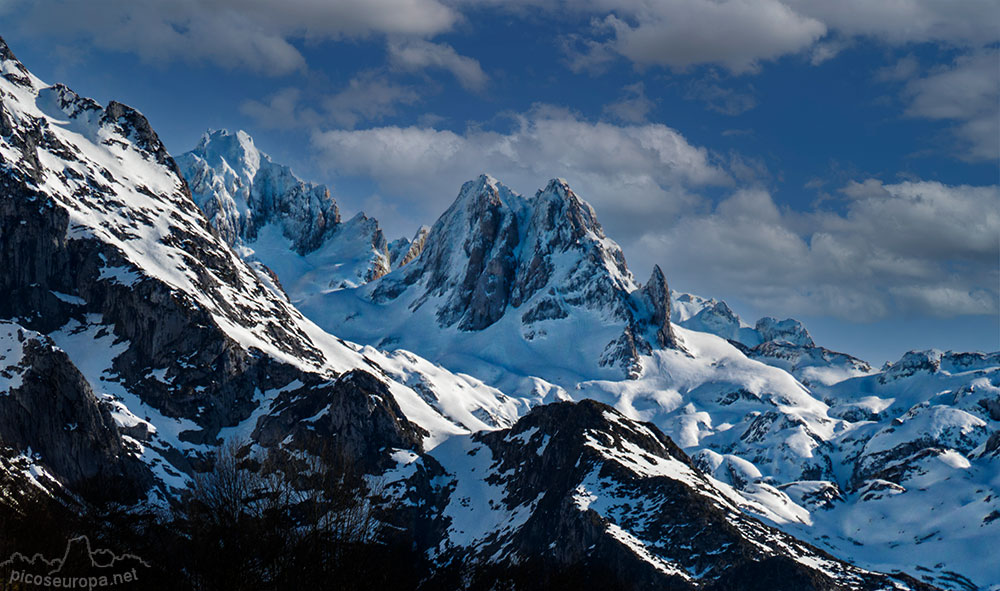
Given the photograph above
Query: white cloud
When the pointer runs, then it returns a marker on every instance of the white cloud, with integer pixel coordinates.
(737, 34)
(250, 34)
(417, 54)
(741, 34)
(965, 23)
(967, 92)
(828, 49)
(281, 110)
(903, 69)
(633, 174)
(913, 247)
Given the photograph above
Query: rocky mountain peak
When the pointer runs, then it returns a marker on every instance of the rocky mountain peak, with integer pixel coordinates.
(482, 193)
(541, 260)
(912, 362)
(132, 124)
(657, 297)
(557, 207)
(469, 255)
(241, 190)
(403, 250)
(788, 330)
(221, 147)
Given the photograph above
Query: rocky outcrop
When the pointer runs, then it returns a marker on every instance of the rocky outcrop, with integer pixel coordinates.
(241, 190)
(115, 258)
(657, 297)
(51, 414)
(544, 259)
(291, 227)
(355, 414)
(469, 257)
(403, 250)
(789, 331)
(579, 486)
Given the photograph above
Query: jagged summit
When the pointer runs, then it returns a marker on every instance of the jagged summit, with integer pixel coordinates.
(657, 296)
(241, 190)
(528, 269)
(403, 250)
(154, 341)
(789, 331)
(134, 340)
(273, 217)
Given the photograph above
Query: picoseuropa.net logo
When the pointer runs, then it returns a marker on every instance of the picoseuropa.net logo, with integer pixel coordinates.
(80, 567)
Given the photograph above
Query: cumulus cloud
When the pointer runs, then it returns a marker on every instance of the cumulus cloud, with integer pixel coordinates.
(417, 54)
(368, 97)
(968, 23)
(281, 110)
(741, 34)
(250, 34)
(637, 173)
(913, 247)
(737, 34)
(967, 92)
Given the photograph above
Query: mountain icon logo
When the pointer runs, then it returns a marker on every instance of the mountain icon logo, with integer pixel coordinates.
(80, 567)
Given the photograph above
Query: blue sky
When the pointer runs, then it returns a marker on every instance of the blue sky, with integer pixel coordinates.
(832, 161)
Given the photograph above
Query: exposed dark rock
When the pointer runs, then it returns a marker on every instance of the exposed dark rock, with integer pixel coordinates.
(559, 454)
(657, 297)
(406, 250)
(54, 414)
(354, 413)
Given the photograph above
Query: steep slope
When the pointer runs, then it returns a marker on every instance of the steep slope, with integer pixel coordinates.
(274, 217)
(166, 342)
(758, 407)
(241, 190)
(500, 277)
(785, 344)
(580, 495)
(65, 435)
(103, 250)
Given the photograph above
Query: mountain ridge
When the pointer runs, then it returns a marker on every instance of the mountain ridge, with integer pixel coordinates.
(185, 343)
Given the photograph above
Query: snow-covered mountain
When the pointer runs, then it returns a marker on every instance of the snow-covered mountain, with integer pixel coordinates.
(785, 344)
(105, 258)
(136, 336)
(502, 277)
(272, 216)
(530, 296)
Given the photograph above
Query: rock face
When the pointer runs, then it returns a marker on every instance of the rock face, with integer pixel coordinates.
(402, 250)
(657, 297)
(494, 255)
(274, 218)
(49, 409)
(356, 412)
(240, 190)
(581, 487)
(168, 342)
(134, 340)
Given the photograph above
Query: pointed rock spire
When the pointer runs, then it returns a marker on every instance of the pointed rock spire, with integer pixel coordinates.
(657, 296)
